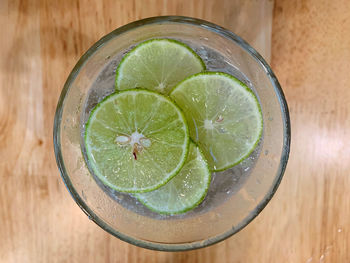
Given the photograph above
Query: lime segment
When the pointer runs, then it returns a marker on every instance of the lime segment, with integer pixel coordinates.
(157, 64)
(136, 140)
(223, 115)
(185, 191)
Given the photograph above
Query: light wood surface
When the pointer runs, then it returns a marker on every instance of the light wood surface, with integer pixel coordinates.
(308, 220)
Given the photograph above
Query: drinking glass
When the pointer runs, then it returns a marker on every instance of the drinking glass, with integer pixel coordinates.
(236, 196)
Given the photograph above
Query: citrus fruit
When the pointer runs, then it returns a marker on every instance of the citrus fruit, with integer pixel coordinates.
(185, 191)
(223, 115)
(136, 140)
(157, 64)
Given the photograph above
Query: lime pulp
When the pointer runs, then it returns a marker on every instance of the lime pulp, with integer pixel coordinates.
(136, 140)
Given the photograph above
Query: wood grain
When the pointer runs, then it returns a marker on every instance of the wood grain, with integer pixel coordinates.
(308, 220)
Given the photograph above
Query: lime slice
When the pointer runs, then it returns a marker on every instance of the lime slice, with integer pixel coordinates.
(223, 115)
(185, 191)
(157, 64)
(136, 140)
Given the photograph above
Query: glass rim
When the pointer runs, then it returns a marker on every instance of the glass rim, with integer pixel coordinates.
(216, 29)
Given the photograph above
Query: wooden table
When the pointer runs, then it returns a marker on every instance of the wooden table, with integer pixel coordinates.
(308, 219)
